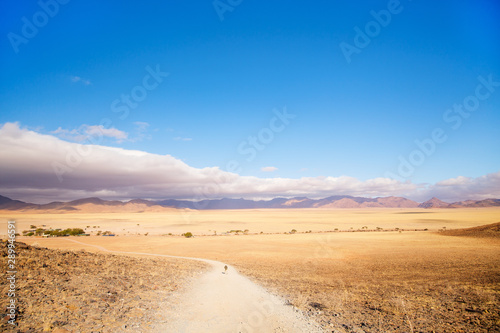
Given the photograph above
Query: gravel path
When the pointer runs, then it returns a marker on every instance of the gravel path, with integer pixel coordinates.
(222, 301)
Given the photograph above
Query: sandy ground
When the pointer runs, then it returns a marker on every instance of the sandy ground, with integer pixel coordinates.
(256, 221)
(380, 280)
(432, 275)
(78, 291)
(225, 301)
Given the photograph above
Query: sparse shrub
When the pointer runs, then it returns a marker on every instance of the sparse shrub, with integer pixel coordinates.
(187, 235)
(293, 231)
(39, 231)
(76, 231)
(32, 226)
(30, 234)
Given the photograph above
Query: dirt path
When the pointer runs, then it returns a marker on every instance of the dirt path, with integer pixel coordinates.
(222, 301)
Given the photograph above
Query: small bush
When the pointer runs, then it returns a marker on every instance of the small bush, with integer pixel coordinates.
(187, 235)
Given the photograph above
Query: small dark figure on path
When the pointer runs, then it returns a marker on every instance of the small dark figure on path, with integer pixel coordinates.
(225, 269)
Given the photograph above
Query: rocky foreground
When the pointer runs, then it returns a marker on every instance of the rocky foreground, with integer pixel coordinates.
(78, 291)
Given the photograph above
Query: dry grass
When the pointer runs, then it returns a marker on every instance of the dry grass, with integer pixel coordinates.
(89, 292)
(355, 281)
(267, 221)
(488, 231)
(433, 285)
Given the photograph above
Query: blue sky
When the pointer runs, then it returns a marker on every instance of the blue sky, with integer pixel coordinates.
(354, 117)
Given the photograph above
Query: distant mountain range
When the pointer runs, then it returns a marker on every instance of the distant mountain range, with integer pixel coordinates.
(338, 201)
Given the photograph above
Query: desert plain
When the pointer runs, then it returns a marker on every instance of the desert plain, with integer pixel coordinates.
(369, 270)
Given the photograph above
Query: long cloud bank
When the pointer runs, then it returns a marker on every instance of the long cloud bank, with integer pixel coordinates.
(40, 168)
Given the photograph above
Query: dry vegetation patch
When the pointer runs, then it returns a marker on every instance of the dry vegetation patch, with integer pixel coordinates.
(417, 290)
(351, 281)
(483, 231)
(84, 292)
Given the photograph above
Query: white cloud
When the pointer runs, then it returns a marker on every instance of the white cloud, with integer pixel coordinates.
(73, 135)
(76, 79)
(31, 165)
(269, 169)
(460, 180)
(142, 125)
(91, 132)
(141, 131)
(96, 130)
(466, 188)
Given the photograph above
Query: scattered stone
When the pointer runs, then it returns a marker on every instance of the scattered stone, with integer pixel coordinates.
(67, 291)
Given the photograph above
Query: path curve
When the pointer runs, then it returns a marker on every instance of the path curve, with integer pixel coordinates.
(220, 302)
